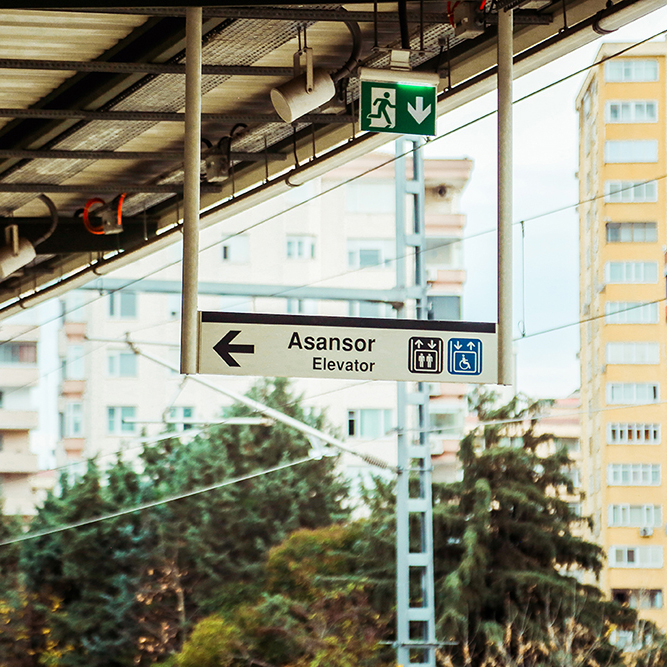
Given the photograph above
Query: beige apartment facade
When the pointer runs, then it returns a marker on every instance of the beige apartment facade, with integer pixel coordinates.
(19, 373)
(623, 235)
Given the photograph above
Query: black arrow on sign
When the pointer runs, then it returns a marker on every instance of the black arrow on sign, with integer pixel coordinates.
(224, 348)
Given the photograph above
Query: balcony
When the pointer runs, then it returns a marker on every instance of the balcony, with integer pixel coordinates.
(18, 420)
(17, 462)
(75, 329)
(73, 447)
(73, 388)
(18, 375)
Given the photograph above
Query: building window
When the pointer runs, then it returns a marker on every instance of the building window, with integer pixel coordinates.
(301, 307)
(369, 423)
(236, 249)
(370, 197)
(634, 516)
(444, 308)
(633, 353)
(300, 247)
(635, 69)
(576, 509)
(442, 252)
(637, 150)
(633, 474)
(123, 305)
(616, 192)
(639, 111)
(631, 272)
(369, 309)
(116, 420)
(180, 417)
(121, 364)
(632, 232)
(446, 424)
(638, 598)
(73, 426)
(571, 445)
(369, 253)
(74, 366)
(18, 353)
(574, 475)
(642, 557)
(630, 312)
(627, 393)
(633, 434)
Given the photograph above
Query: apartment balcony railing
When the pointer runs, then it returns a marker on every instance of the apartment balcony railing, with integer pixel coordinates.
(18, 420)
(17, 462)
(18, 375)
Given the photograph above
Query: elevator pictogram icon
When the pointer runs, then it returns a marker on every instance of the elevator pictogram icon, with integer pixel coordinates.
(425, 354)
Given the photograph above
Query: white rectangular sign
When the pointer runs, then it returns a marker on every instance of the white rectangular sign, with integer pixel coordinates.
(354, 348)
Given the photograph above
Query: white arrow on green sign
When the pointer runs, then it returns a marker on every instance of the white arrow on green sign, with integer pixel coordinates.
(403, 108)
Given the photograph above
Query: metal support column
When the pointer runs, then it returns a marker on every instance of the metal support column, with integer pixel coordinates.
(415, 604)
(191, 200)
(505, 75)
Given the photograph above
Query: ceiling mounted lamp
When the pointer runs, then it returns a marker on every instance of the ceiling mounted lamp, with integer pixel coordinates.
(17, 251)
(314, 87)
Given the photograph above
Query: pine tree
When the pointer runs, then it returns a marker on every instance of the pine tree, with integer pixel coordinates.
(127, 590)
(507, 556)
(86, 578)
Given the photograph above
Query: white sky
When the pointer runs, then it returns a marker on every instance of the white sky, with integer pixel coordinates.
(545, 164)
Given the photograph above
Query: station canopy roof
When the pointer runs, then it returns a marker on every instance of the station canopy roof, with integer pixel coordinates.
(92, 101)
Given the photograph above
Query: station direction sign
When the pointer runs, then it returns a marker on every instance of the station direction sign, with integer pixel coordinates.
(351, 348)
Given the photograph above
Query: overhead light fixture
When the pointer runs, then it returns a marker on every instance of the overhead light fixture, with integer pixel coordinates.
(314, 87)
(293, 99)
(17, 251)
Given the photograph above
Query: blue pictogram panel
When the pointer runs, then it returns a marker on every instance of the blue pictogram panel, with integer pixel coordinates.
(464, 356)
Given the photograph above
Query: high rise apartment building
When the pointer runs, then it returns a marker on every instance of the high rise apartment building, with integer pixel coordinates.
(19, 484)
(345, 239)
(623, 332)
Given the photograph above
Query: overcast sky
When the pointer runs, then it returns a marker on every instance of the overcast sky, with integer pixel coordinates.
(545, 165)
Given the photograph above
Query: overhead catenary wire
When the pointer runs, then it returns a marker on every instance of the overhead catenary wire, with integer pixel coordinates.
(389, 161)
(154, 503)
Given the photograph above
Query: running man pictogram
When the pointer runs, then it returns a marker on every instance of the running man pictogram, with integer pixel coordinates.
(383, 103)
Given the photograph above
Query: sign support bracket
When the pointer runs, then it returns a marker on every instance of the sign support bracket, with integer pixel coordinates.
(191, 202)
(505, 164)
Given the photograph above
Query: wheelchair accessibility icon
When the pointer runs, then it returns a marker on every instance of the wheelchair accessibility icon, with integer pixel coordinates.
(464, 356)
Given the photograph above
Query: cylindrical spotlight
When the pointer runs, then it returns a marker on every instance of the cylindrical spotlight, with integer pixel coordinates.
(291, 100)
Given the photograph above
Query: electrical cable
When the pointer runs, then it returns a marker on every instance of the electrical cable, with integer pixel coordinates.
(154, 503)
(389, 161)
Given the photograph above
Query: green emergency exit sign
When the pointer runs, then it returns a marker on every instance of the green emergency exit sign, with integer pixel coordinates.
(402, 108)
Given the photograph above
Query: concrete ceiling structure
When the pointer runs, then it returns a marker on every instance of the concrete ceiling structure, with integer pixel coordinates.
(91, 108)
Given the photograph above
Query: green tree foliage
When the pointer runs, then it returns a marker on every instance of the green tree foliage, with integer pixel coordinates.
(313, 611)
(505, 536)
(127, 590)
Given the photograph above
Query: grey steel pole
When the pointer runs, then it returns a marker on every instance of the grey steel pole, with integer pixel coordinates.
(403, 460)
(191, 201)
(505, 75)
(415, 612)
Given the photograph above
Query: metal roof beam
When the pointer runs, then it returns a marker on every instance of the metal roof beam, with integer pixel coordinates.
(171, 188)
(160, 116)
(129, 155)
(141, 68)
(304, 14)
